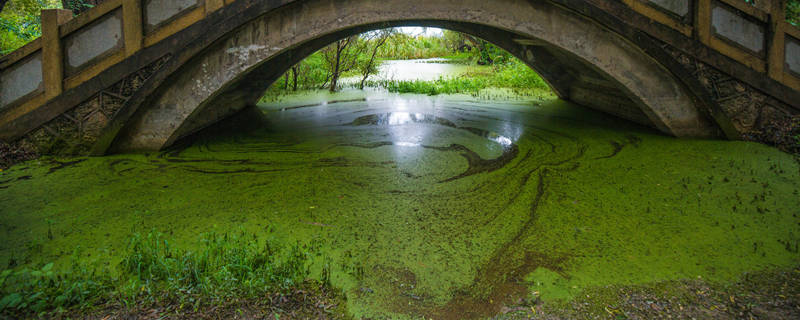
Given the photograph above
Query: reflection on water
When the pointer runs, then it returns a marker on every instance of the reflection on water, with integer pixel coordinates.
(398, 118)
(505, 141)
(407, 144)
(401, 118)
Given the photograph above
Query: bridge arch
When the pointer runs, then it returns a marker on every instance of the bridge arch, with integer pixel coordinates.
(582, 60)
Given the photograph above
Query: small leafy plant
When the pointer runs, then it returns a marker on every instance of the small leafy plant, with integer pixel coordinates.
(223, 267)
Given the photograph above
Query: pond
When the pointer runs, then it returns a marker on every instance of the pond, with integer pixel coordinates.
(445, 206)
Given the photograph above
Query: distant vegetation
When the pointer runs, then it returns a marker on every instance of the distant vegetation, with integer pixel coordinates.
(361, 55)
(20, 22)
(403, 46)
(511, 74)
(793, 12)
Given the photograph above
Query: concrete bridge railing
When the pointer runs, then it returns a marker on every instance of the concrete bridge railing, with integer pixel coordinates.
(74, 50)
(80, 58)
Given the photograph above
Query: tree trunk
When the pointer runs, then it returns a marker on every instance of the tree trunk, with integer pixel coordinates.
(372, 61)
(335, 75)
(294, 78)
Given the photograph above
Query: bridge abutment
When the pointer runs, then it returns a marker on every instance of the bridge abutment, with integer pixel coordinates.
(234, 72)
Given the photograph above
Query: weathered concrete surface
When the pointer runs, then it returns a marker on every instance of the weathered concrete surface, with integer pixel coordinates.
(726, 23)
(23, 79)
(159, 11)
(678, 7)
(187, 102)
(793, 54)
(98, 39)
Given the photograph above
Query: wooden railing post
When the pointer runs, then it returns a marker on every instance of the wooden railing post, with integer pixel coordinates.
(213, 5)
(775, 55)
(132, 26)
(52, 51)
(702, 21)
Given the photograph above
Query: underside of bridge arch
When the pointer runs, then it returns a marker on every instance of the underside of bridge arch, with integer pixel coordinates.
(581, 60)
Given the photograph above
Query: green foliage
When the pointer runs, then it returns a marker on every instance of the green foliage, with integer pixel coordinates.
(793, 12)
(439, 86)
(37, 290)
(225, 266)
(315, 71)
(78, 6)
(402, 46)
(20, 22)
(515, 74)
(312, 73)
(474, 49)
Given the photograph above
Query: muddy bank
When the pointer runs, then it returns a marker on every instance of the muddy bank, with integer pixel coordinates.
(11, 154)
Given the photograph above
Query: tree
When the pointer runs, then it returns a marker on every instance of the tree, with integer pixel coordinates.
(20, 22)
(79, 6)
(793, 12)
(378, 39)
(294, 77)
(455, 41)
(342, 56)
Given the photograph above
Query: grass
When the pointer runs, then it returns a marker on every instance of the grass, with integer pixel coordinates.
(225, 267)
(20, 22)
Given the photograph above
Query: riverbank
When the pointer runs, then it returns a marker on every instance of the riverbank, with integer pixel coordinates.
(761, 295)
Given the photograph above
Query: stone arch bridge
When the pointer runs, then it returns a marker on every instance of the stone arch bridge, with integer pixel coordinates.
(135, 75)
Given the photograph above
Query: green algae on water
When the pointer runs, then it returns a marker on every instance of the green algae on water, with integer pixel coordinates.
(584, 201)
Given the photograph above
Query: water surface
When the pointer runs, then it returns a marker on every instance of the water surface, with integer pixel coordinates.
(431, 206)
(422, 69)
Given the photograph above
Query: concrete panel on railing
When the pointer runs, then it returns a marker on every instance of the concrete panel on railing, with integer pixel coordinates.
(22, 79)
(95, 41)
(792, 54)
(157, 12)
(731, 24)
(678, 7)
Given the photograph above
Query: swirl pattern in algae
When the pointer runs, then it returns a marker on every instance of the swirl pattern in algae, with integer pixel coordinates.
(432, 206)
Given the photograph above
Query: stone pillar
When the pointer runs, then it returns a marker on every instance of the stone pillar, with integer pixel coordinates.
(702, 21)
(775, 55)
(132, 26)
(213, 5)
(52, 51)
